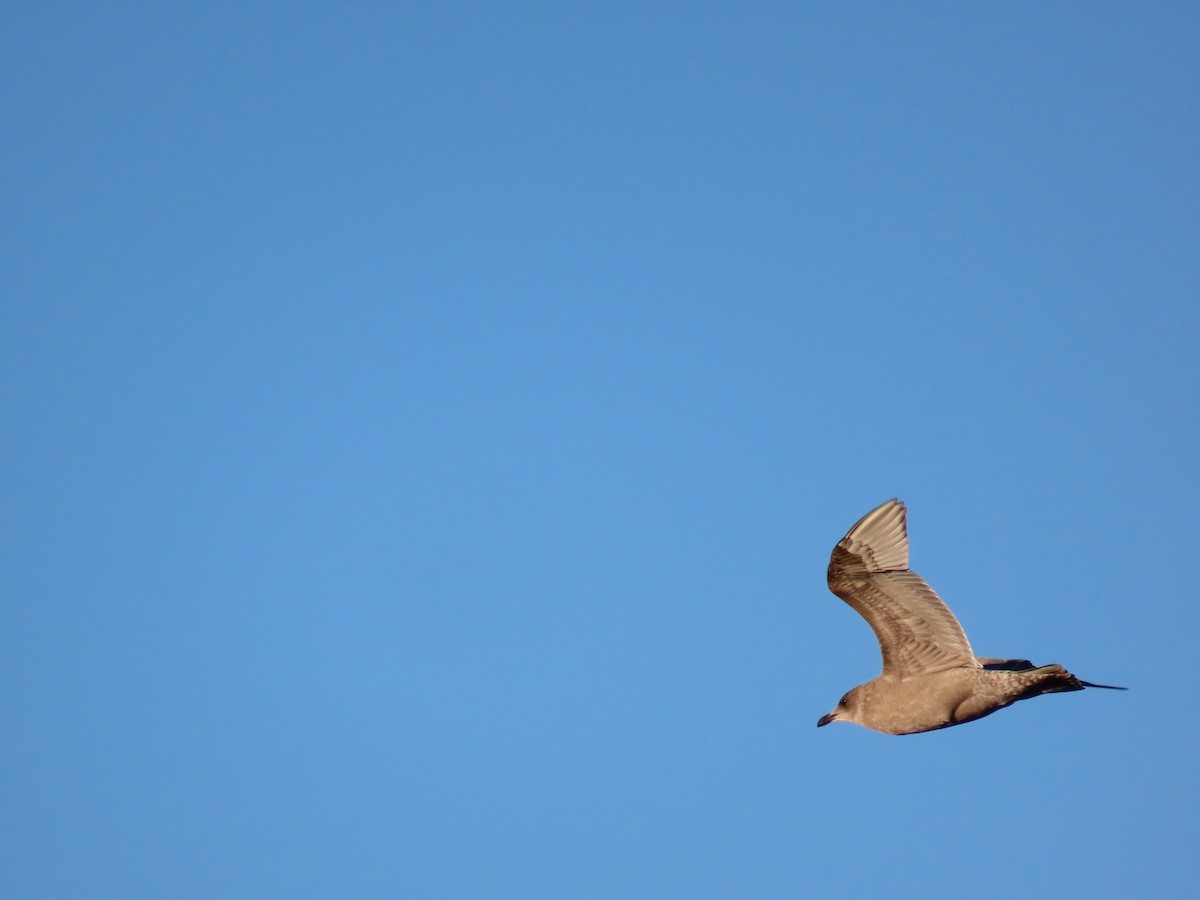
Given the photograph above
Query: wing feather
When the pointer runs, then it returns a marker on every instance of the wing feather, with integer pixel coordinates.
(869, 570)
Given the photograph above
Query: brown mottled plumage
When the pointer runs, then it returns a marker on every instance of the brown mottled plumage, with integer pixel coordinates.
(930, 679)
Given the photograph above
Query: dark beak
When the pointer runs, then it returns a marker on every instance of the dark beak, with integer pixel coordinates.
(826, 719)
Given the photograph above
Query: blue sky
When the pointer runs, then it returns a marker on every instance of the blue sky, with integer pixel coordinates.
(426, 427)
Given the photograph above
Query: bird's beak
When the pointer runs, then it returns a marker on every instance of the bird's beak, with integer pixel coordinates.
(826, 719)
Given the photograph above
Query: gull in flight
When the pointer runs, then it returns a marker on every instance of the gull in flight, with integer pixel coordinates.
(930, 679)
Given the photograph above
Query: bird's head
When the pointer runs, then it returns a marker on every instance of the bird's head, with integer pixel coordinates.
(846, 710)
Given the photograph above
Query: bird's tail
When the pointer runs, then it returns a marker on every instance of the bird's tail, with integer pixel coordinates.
(1107, 687)
(1054, 678)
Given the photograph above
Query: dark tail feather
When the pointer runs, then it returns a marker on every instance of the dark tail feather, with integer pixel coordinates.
(1054, 678)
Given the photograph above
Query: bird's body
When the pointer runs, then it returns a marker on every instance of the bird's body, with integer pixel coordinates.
(950, 697)
(931, 679)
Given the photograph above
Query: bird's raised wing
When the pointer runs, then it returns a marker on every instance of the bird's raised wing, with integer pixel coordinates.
(869, 570)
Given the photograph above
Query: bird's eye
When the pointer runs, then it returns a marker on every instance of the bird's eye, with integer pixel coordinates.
(842, 702)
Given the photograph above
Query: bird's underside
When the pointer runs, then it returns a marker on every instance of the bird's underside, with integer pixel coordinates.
(931, 679)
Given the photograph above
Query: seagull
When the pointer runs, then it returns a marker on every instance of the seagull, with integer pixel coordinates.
(930, 679)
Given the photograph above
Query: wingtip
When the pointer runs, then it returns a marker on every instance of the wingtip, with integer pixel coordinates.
(881, 536)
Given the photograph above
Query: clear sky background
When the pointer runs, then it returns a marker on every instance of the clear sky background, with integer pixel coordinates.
(425, 427)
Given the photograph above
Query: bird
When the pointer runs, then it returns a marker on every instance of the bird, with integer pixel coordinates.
(931, 679)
